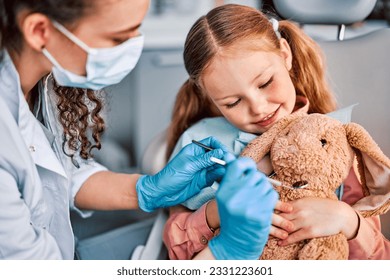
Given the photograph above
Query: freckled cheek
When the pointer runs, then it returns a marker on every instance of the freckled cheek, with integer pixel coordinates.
(281, 93)
(275, 93)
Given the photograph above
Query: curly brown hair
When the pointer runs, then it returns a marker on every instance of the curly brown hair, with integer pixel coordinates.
(80, 116)
(79, 109)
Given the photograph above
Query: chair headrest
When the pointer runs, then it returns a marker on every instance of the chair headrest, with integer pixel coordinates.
(332, 12)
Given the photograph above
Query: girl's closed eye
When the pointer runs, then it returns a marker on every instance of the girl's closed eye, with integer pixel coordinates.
(231, 105)
(267, 83)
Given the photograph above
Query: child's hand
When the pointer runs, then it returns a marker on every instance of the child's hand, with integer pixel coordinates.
(316, 217)
(280, 225)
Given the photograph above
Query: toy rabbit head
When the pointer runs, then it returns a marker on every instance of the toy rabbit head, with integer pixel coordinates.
(318, 151)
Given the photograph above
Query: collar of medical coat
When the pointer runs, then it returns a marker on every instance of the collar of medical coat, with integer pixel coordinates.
(30, 128)
(9, 85)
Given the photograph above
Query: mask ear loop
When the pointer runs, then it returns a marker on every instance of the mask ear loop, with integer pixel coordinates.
(73, 38)
(51, 59)
(275, 27)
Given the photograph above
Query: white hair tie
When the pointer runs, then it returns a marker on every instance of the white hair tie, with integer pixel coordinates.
(275, 26)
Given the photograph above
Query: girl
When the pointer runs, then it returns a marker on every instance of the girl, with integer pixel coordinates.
(45, 151)
(246, 72)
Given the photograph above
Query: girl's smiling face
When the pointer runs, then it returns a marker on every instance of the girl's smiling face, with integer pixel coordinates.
(252, 90)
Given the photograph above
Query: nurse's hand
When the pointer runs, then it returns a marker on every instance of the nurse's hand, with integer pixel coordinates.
(246, 202)
(183, 177)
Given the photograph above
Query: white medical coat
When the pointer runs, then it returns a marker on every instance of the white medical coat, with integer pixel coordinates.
(38, 182)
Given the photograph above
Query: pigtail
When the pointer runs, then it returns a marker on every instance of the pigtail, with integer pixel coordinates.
(308, 69)
(191, 105)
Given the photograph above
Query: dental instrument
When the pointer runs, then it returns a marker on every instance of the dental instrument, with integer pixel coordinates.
(272, 181)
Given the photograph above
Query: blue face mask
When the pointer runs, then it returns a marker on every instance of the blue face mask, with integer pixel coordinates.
(105, 66)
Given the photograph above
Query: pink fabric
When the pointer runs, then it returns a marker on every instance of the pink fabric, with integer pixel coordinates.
(185, 232)
(369, 243)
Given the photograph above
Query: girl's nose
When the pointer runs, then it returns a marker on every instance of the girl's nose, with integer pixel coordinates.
(257, 104)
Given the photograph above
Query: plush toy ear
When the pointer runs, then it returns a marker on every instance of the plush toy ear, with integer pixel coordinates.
(374, 170)
(260, 146)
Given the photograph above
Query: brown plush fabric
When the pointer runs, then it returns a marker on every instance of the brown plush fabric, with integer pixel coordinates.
(320, 150)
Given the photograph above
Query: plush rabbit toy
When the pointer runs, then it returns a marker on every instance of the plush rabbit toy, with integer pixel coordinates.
(317, 152)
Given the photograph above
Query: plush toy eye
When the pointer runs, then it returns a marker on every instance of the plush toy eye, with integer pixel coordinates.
(323, 142)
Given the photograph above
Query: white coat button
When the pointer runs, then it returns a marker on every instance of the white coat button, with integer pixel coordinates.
(32, 148)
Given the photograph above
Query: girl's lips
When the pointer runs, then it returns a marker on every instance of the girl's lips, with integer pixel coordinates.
(271, 118)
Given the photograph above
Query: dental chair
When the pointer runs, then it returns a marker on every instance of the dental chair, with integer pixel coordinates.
(358, 67)
(153, 160)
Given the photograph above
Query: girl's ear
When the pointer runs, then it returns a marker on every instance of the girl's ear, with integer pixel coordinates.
(374, 171)
(286, 53)
(36, 29)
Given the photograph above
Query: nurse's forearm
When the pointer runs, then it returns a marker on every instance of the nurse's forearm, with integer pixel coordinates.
(107, 190)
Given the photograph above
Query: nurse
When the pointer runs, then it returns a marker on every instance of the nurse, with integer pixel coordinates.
(45, 148)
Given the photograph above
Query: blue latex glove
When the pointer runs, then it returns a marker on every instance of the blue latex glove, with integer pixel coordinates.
(246, 201)
(183, 177)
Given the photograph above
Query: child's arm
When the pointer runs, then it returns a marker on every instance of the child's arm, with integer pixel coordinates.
(369, 242)
(205, 254)
(186, 232)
